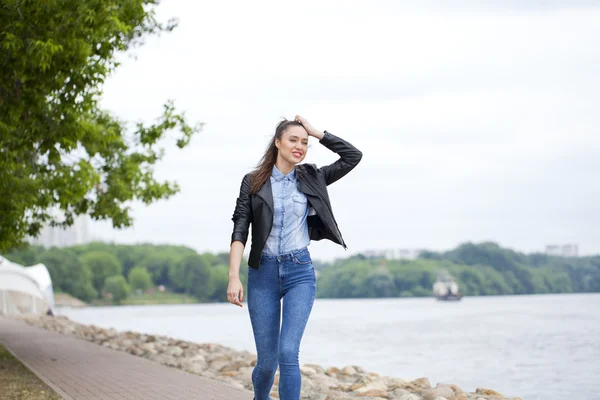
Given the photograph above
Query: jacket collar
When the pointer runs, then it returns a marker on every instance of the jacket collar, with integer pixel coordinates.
(266, 191)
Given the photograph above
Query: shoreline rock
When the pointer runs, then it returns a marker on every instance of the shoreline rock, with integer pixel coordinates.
(235, 367)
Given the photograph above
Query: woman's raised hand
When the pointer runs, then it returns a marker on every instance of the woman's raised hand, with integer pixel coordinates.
(309, 128)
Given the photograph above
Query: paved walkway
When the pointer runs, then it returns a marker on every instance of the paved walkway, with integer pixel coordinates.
(77, 369)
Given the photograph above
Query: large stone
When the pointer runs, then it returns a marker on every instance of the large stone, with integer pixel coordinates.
(311, 396)
(488, 391)
(488, 397)
(235, 365)
(374, 393)
(323, 383)
(443, 391)
(211, 357)
(409, 396)
(150, 338)
(457, 390)
(337, 396)
(304, 370)
(393, 383)
(164, 359)
(174, 351)
(308, 385)
(136, 351)
(398, 392)
(316, 367)
(195, 368)
(373, 386)
(348, 370)
(219, 365)
(418, 384)
(198, 358)
(359, 369)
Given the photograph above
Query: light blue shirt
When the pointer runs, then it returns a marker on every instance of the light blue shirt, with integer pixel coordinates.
(290, 229)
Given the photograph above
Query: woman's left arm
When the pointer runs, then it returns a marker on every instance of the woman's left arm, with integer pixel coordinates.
(350, 156)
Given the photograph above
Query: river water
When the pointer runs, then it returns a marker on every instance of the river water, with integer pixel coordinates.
(543, 347)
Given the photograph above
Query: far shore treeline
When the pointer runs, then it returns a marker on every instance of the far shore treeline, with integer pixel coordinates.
(103, 272)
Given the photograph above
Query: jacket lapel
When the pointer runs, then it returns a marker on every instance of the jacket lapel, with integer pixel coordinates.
(266, 193)
(304, 187)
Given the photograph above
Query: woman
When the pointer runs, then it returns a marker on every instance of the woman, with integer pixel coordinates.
(288, 206)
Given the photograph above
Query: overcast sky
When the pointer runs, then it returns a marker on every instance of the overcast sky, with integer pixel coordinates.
(477, 121)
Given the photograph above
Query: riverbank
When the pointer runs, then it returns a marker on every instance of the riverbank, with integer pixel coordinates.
(235, 367)
(66, 300)
(153, 298)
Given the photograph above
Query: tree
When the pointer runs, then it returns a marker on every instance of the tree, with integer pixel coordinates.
(158, 265)
(219, 283)
(102, 265)
(117, 288)
(139, 278)
(193, 276)
(69, 273)
(25, 254)
(60, 155)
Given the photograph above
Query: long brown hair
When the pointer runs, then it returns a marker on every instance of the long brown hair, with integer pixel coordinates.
(265, 165)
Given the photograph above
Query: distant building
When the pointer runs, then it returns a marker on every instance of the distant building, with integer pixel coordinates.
(78, 233)
(394, 254)
(565, 250)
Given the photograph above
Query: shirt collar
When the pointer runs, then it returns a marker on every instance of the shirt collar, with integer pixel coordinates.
(278, 175)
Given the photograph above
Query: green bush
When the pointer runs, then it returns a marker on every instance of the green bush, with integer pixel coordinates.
(102, 265)
(139, 278)
(116, 288)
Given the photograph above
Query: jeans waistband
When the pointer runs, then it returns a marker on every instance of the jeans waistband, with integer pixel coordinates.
(285, 256)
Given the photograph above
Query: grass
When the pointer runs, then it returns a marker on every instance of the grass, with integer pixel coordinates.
(18, 382)
(148, 299)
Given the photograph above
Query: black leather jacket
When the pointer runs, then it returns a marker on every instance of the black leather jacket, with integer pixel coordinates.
(257, 208)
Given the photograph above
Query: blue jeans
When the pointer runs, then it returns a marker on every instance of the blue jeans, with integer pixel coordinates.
(290, 276)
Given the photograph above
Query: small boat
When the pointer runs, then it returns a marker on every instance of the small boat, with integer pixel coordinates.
(445, 288)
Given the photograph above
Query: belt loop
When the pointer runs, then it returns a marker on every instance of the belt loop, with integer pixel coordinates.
(278, 259)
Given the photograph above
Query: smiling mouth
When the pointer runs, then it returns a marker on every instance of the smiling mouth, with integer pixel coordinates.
(296, 154)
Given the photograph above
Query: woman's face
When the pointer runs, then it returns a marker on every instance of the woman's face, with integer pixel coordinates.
(293, 144)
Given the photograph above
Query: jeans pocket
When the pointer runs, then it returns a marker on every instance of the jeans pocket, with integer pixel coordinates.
(303, 258)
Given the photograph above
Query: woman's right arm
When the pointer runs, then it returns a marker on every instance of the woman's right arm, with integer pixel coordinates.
(242, 217)
(235, 259)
